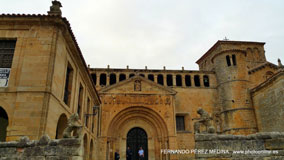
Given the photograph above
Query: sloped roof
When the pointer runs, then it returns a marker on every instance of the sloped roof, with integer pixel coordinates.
(268, 81)
(261, 66)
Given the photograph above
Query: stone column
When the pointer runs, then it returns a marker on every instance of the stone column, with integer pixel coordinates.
(165, 79)
(98, 80)
(107, 79)
(192, 80)
(183, 80)
(174, 80)
(201, 80)
(156, 78)
(117, 77)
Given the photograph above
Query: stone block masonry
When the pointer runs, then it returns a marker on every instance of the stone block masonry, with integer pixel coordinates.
(259, 146)
(43, 149)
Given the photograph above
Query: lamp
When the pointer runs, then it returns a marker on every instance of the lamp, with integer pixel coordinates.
(95, 111)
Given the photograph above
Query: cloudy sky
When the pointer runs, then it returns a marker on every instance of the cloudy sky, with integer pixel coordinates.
(157, 33)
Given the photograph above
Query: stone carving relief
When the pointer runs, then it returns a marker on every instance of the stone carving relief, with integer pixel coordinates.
(137, 99)
(137, 85)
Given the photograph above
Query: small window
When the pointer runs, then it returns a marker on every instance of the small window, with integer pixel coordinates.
(142, 75)
(234, 59)
(169, 80)
(122, 77)
(160, 79)
(197, 80)
(179, 80)
(68, 84)
(151, 77)
(228, 60)
(112, 79)
(131, 75)
(94, 77)
(103, 79)
(180, 123)
(206, 81)
(187, 80)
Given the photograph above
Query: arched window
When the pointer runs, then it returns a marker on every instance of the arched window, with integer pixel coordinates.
(206, 81)
(187, 80)
(85, 147)
(228, 60)
(103, 79)
(122, 77)
(234, 59)
(4, 121)
(268, 74)
(131, 75)
(61, 125)
(151, 77)
(94, 77)
(161, 79)
(197, 80)
(169, 80)
(178, 80)
(112, 79)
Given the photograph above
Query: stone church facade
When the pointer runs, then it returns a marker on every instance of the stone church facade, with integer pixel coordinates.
(153, 109)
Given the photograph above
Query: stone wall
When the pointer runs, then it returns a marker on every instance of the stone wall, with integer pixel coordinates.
(269, 104)
(43, 149)
(259, 146)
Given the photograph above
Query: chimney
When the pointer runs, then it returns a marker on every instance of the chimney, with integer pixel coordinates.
(55, 9)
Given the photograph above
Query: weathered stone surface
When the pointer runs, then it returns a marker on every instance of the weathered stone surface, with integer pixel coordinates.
(44, 149)
(274, 144)
(44, 140)
(259, 146)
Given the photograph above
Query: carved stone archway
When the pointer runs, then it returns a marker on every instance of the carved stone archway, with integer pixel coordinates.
(144, 118)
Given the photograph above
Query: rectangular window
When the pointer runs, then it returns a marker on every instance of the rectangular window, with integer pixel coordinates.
(80, 100)
(7, 48)
(87, 112)
(68, 84)
(180, 123)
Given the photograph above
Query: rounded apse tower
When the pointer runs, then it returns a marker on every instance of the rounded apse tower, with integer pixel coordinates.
(236, 111)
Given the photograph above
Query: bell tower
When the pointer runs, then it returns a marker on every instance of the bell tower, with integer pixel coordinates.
(230, 62)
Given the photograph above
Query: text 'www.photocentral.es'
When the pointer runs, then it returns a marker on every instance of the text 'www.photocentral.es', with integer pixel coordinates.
(217, 151)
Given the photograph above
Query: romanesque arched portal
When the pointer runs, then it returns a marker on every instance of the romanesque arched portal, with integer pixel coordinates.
(137, 119)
